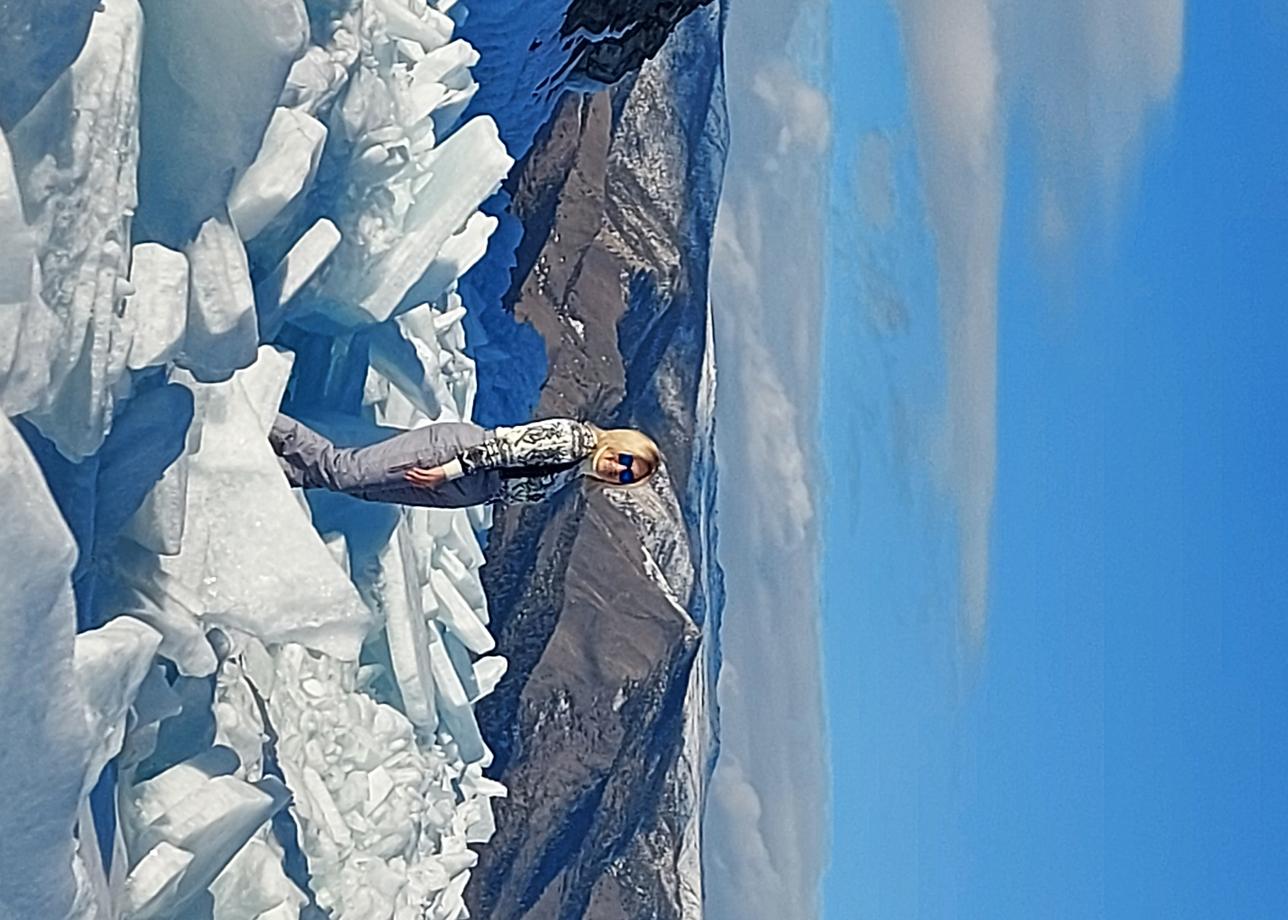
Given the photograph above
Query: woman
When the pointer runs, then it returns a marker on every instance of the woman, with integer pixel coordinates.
(456, 464)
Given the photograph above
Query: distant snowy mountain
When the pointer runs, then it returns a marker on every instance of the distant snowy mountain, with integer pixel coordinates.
(608, 608)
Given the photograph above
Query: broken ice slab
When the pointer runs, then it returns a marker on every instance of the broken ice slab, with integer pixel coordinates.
(406, 630)
(338, 546)
(42, 720)
(261, 388)
(222, 329)
(482, 823)
(447, 320)
(239, 724)
(151, 885)
(449, 904)
(155, 703)
(285, 165)
(453, 105)
(422, 24)
(456, 257)
(454, 711)
(487, 674)
(148, 593)
(419, 354)
(465, 579)
(110, 664)
(473, 781)
(463, 664)
(157, 311)
(480, 517)
(155, 700)
(466, 543)
(213, 71)
(74, 156)
(314, 800)
(257, 664)
(147, 801)
(457, 615)
(375, 802)
(40, 40)
(257, 565)
(157, 525)
(448, 66)
(456, 861)
(254, 886)
(463, 171)
(28, 330)
(18, 246)
(303, 260)
(212, 823)
(410, 363)
(148, 435)
(319, 74)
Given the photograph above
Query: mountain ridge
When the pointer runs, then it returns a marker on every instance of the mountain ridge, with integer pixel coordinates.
(604, 602)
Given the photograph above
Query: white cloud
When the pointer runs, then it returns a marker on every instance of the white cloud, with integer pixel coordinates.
(744, 879)
(769, 441)
(802, 110)
(1087, 74)
(953, 68)
(765, 823)
(765, 826)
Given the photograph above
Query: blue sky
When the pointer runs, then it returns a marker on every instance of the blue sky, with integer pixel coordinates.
(1056, 526)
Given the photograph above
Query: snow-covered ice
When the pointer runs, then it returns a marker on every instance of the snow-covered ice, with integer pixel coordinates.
(110, 664)
(212, 74)
(44, 727)
(277, 288)
(222, 328)
(157, 309)
(256, 565)
(75, 156)
(268, 709)
(286, 163)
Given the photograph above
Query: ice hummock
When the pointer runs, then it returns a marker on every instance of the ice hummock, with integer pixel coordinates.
(268, 711)
(45, 731)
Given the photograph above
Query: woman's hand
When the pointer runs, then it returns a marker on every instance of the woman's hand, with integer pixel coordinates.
(426, 478)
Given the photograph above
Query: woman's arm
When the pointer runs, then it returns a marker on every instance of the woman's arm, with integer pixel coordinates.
(544, 443)
(548, 442)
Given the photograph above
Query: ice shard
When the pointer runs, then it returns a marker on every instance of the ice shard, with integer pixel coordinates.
(74, 156)
(42, 721)
(287, 160)
(212, 74)
(157, 310)
(222, 328)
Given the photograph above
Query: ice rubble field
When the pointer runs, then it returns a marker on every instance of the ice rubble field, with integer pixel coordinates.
(220, 699)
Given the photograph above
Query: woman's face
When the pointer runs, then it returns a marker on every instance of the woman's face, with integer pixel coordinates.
(610, 467)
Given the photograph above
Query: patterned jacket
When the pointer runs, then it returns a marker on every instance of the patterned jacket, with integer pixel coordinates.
(534, 460)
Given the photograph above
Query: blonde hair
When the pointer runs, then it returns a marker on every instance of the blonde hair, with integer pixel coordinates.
(626, 441)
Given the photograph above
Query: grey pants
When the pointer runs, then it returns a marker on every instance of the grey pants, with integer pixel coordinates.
(377, 472)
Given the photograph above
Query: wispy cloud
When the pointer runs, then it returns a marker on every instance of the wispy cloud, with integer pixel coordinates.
(765, 826)
(801, 110)
(765, 822)
(1086, 74)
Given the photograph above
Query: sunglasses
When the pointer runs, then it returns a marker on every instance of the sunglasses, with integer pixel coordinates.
(626, 476)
